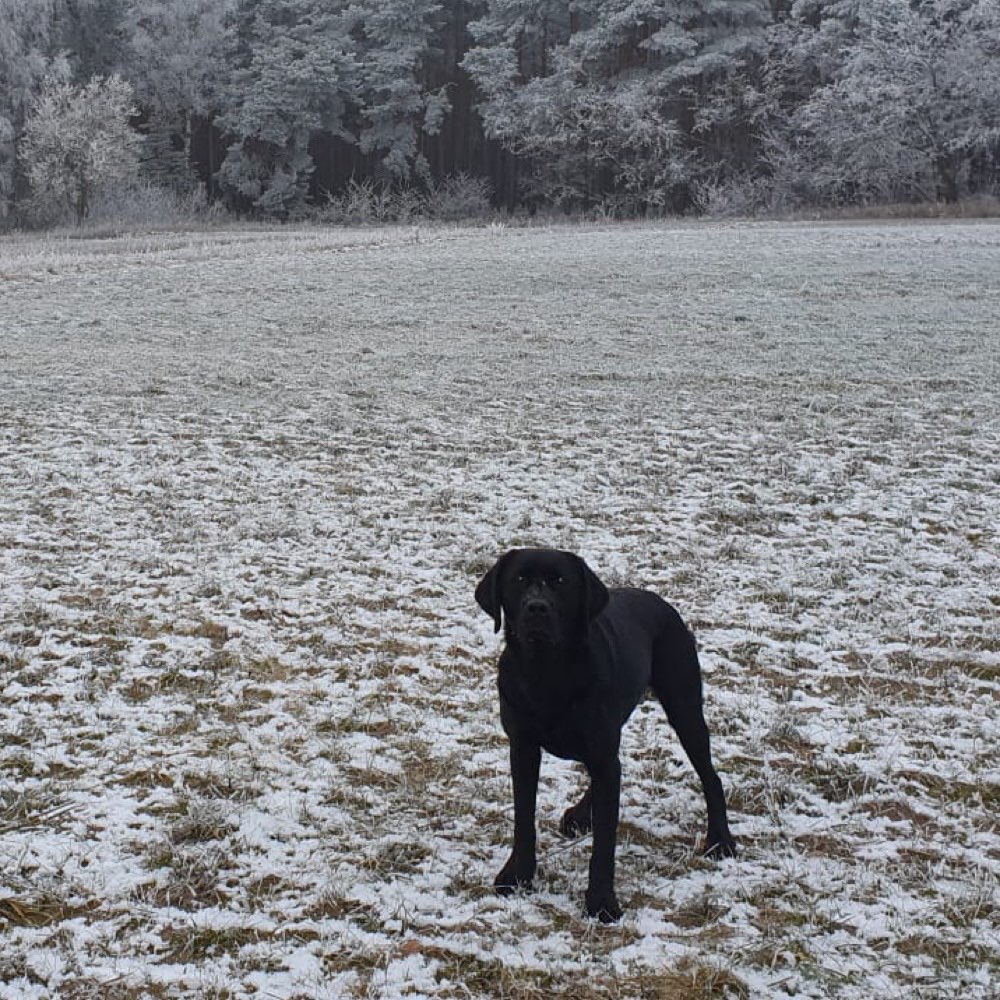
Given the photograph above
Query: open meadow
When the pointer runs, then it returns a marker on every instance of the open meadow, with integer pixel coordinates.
(249, 740)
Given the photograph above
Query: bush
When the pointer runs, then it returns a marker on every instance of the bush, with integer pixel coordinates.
(364, 203)
(742, 196)
(139, 207)
(459, 197)
(147, 206)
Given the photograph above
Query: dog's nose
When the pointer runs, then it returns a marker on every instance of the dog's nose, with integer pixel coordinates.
(537, 608)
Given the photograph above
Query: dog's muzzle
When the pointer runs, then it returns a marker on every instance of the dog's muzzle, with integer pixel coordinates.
(537, 620)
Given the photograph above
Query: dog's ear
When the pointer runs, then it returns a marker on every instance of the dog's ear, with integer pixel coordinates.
(595, 594)
(488, 591)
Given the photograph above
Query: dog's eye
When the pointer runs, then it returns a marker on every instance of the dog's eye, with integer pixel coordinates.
(560, 580)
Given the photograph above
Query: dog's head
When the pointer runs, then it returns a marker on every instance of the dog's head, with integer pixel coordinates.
(546, 596)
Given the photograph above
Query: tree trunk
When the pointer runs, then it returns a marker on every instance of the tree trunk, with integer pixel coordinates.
(946, 167)
(82, 205)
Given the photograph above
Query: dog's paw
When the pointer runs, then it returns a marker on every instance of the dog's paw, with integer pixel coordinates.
(514, 877)
(720, 847)
(604, 906)
(575, 823)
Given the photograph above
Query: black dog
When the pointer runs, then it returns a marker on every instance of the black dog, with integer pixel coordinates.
(577, 661)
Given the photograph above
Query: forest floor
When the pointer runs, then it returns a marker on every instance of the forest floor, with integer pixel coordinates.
(249, 740)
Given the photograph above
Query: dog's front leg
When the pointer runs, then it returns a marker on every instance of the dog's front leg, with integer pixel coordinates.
(605, 786)
(525, 761)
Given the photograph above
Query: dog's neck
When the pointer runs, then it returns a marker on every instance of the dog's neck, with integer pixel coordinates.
(537, 650)
(550, 671)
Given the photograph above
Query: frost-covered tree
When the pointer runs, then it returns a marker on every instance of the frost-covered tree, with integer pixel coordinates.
(633, 104)
(294, 75)
(394, 40)
(28, 57)
(911, 110)
(176, 62)
(77, 142)
(93, 34)
(621, 97)
(918, 97)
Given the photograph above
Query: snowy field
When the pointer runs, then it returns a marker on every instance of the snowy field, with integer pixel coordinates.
(248, 481)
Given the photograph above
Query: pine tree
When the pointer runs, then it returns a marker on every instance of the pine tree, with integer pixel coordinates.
(29, 55)
(624, 96)
(93, 33)
(294, 76)
(176, 53)
(394, 41)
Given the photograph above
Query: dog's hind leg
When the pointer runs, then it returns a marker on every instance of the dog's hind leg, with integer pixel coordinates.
(578, 819)
(676, 681)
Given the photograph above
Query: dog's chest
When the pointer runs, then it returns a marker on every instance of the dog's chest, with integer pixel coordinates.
(557, 721)
(567, 742)
(560, 730)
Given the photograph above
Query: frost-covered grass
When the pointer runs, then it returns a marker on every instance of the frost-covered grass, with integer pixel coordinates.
(248, 481)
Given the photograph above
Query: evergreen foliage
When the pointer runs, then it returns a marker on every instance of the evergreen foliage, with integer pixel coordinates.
(28, 58)
(393, 41)
(618, 98)
(176, 59)
(294, 75)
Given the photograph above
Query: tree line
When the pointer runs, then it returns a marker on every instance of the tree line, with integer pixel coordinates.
(279, 107)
